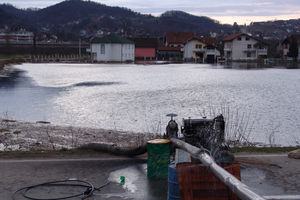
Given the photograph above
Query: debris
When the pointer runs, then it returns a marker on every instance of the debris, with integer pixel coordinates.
(122, 178)
(3, 130)
(8, 120)
(42, 122)
(17, 132)
(294, 154)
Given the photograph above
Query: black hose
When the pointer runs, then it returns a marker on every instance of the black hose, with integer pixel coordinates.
(89, 189)
(113, 149)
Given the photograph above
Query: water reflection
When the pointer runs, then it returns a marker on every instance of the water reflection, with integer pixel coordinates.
(138, 185)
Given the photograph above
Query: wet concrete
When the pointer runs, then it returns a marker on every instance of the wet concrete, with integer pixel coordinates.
(271, 174)
(15, 174)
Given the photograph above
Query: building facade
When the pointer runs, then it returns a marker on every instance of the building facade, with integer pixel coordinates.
(19, 37)
(112, 48)
(286, 46)
(242, 46)
(196, 50)
(145, 48)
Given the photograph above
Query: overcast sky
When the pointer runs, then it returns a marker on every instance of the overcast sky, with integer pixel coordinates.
(226, 11)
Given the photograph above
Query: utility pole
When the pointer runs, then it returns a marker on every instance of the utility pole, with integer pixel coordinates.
(79, 48)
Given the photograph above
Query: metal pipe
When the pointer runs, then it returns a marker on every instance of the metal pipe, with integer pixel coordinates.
(236, 186)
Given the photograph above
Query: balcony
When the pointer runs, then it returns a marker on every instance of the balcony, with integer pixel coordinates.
(262, 51)
(211, 52)
(250, 50)
(198, 49)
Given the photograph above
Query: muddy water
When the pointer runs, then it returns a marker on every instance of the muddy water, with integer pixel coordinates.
(259, 104)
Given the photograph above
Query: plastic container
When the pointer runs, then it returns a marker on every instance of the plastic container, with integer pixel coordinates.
(173, 187)
(197, 182)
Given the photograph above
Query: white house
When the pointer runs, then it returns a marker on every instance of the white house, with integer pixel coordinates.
(242, 46)
(196, 50)
(112, 48)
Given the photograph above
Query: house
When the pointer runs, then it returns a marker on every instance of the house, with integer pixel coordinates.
(173, 45)
(20, 37)
(112, 48)
(242, 46)
(178, 39)
(286, 46)
(169, 53)
(194, 50)
(201, 50)
(145, 48)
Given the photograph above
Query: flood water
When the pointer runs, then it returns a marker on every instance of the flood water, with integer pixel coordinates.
(259, 104)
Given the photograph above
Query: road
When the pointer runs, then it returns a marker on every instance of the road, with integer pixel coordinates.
(273, 174)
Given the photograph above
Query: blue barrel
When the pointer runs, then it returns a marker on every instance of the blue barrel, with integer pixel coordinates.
(173, 189)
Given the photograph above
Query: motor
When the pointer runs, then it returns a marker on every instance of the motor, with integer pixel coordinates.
(206, 134)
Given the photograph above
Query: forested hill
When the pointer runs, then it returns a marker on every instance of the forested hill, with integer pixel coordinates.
(88, 17)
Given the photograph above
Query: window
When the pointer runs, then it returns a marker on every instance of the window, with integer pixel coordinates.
(102, 49)
(239, 38)
(247, 38)
(248, 54)
(198, 46)
(249, 46)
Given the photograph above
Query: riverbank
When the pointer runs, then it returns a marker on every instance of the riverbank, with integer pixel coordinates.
(6, 61)
(26, 136)
(43, 137)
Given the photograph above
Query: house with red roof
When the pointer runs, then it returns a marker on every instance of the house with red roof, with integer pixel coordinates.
(242, 46)
(201, 50)
(178, 39)
(173, 45)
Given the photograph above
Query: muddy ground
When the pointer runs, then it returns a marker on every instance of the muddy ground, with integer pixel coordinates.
(25, 136)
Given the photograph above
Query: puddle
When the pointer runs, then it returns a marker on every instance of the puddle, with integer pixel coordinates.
(137, 184)
(131, 175)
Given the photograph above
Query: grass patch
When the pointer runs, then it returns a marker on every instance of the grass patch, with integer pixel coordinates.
(12, 59)
(263, 149)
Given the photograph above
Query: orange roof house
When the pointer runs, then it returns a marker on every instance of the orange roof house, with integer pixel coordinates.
(242, 46)
(232, 37)
(178, 38)
(209, 40)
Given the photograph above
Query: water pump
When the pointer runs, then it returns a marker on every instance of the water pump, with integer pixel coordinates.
(206, 134)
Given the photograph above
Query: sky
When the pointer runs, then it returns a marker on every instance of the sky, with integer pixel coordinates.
(225, 11)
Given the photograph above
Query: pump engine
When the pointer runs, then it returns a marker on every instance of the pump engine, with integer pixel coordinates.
(206, 134)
